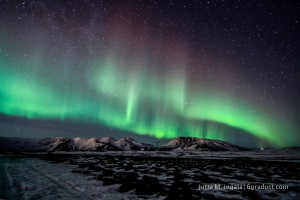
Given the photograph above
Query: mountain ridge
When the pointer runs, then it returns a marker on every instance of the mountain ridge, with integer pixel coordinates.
(111, 144)
(200, 144)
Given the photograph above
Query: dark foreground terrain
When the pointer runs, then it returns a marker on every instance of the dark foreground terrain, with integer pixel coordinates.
(111, 176)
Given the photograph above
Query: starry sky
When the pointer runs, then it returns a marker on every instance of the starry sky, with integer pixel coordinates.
(151, 70)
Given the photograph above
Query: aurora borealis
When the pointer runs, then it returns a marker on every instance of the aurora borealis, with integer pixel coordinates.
(150, 71)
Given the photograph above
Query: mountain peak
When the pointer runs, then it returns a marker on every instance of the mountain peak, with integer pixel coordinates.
(106, 139)
(128, 139)
(193, 143)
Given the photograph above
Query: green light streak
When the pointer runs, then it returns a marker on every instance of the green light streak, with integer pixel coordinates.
(129, 97)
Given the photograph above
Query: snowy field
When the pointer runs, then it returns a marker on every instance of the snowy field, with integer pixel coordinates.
(151, 175)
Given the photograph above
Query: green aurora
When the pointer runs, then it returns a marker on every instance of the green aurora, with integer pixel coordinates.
(122, 95)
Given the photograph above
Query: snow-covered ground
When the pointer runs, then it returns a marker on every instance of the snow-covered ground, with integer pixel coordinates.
(33, 178)
(150, 175)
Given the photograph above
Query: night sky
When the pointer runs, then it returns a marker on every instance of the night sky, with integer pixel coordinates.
(151, 70)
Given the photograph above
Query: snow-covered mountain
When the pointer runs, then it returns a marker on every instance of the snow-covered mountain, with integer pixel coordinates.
(71, 144)
(128, 143)
(199, 144)
(80, 144)
(110, 144)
